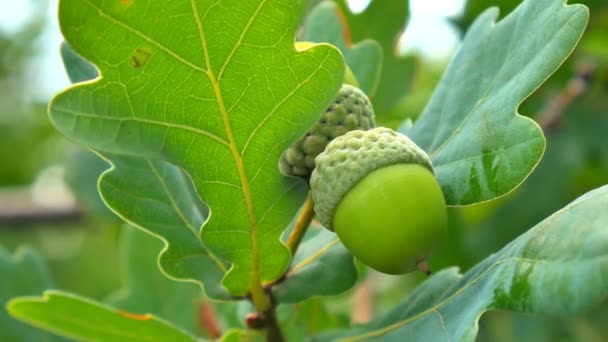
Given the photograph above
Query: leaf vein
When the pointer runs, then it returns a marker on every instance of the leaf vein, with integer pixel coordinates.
(146, 121)
(280, 103)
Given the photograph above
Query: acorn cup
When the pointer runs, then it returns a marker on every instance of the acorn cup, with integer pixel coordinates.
(350, 110)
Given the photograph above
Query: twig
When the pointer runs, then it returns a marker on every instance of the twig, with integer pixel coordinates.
(362, 309)
(208, 320)
(550, 118)
(19, 207)
(301, 225)
(423, 266)
(266, 321)
(273, 329)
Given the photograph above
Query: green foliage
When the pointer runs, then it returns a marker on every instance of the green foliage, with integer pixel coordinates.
(94, 321)
(539, 272)
(192, 104)
(480, 147)
(23, 273)
(383, 21)
(325, 24)
(147, 290)
(25, 133)
(158, 197)
(148, 74)
(322, 267)
(133, 183)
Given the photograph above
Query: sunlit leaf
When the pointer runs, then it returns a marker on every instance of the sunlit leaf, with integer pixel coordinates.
(160, 199)
(222, 101)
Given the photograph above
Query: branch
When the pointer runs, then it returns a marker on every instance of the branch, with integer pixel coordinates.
(273, 329)
(266, 321)
(550, 118)
(207, 320)
(362, 305)
(18, 206)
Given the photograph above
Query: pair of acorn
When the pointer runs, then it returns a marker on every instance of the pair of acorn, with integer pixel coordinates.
(373, 186)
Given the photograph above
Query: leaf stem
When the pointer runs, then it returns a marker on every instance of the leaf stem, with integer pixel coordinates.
(302, 224)
(260, 298)
(208, 321)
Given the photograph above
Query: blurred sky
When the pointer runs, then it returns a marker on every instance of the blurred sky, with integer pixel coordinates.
(428, 32)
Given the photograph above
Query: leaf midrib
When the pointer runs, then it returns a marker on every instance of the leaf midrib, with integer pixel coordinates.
(255, 281)
(231, 143)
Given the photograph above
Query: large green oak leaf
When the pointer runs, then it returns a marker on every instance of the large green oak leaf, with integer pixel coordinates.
(160, 199)
(558, 268)
(216, 91)
(84, 319)
(480, 146)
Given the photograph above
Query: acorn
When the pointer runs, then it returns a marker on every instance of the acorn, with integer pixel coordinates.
(377, 190)
(350, 110)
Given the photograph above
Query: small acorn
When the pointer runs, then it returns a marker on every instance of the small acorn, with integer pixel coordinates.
(350, 110)
(376, 189)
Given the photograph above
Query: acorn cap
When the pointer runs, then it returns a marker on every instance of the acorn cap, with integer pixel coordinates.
(350, 110)
(349, 158)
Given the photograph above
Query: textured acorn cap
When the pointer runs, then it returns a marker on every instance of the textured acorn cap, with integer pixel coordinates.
(349, 158)
(350, 110)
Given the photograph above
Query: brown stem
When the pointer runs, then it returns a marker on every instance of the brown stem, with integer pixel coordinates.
(423, 266)
(273, 329)
(302, 224)
(208, 321)
(267, 321)
(19, 207)
(362, 309)
(551, 116)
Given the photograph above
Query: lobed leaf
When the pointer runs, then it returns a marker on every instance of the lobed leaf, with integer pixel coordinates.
(160, 199)
(480, 146)
(322, 266)
(217, 91)
(325, 23)
(80, 318)
(559, 267)
(147, 290)
(384, 22)
(23, 273)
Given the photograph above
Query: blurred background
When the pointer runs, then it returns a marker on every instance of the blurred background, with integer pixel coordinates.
(48, 197)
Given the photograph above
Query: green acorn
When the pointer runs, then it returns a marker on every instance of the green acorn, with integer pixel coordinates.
(350, 110)
(376, 189)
